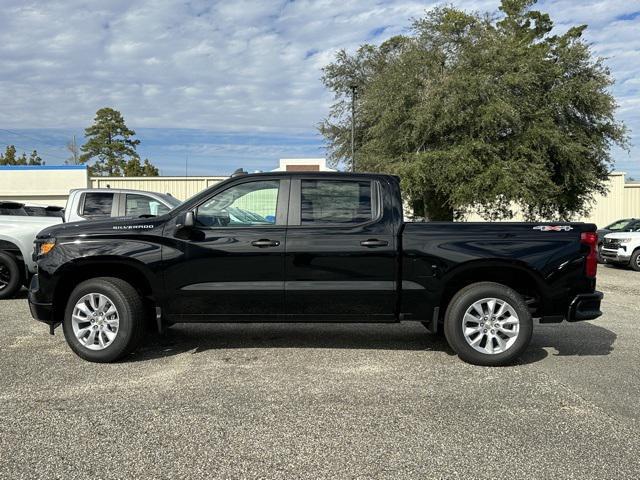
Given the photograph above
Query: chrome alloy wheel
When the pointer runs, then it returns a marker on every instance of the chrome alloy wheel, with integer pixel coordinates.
(490, 326)
(95, 321)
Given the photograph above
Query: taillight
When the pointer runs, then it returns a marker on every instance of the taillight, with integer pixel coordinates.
(591, 264)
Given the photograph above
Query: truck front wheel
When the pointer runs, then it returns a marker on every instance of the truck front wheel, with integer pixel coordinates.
(104, 319)
(488, 324)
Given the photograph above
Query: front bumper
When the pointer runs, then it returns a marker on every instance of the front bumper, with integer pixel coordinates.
(585, 306)
(41, 310)
(619, 255)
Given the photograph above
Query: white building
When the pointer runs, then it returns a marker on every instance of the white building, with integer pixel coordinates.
(303, 165)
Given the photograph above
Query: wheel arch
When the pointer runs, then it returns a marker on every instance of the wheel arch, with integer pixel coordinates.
(131, 271)
(515, 275)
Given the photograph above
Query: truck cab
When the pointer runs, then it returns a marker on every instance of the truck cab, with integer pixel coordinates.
(94, 203)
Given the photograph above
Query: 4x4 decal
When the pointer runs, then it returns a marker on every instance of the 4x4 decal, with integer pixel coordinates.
(553, 228)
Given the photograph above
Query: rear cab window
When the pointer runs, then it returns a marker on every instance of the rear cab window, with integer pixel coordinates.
(97, 205)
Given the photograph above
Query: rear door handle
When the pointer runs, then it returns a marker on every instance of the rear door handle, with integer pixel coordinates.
(265, 243)
(373, 243)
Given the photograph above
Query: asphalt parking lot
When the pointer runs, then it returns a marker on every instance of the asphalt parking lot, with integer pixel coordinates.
(325, 401)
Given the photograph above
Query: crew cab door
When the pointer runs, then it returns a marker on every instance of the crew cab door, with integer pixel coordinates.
(341, 250)
(230, 265)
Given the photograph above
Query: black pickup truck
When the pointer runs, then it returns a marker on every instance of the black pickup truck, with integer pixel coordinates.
(311, 247)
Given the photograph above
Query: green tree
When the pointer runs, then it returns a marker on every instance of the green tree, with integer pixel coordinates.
(482, 113)
(34, 159)
(110, 145)
(133, 168)
(10, 157)
(22, 159)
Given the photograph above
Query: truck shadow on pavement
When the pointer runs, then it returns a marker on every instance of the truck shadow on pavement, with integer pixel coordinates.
(569, 339)
(578, 339)
(198, 338)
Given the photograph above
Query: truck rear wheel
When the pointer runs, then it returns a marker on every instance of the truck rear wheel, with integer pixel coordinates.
(9, 275)
(104, 319)
(488, 324)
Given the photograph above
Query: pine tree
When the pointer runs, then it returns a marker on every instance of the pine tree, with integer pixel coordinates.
(111, 146)
(9, 157)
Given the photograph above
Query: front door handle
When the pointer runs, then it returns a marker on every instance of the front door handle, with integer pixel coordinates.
(373, 243)
(265, 243)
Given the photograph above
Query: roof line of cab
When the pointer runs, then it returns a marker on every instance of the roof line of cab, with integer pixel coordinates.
(239, 175)
(300, 173)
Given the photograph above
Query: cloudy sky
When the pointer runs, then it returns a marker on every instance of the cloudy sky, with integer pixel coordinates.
(230, 83)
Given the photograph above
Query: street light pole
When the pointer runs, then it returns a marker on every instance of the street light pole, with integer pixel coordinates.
(354, 88)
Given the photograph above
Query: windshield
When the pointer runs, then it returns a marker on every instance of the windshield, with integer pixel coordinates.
(172, 202)
(619, 225)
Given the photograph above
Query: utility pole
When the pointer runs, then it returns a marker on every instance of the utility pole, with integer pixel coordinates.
(354, 88)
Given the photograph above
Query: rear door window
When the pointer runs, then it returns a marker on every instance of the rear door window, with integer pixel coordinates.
(97, 204)
(335, 202)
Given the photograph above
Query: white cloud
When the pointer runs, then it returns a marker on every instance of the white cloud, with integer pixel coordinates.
(245, 66)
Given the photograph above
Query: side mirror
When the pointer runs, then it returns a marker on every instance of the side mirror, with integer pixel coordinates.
(185, 221)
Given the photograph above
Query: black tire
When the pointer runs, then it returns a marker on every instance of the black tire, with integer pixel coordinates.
(131, 314)
(10, 276)
(459, 305)
(635, 260)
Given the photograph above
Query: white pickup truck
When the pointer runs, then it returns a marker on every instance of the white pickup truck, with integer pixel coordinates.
(622, 248)
(20, 223)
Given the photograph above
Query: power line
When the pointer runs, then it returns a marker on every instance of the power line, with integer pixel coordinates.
(43, 150)
(21, 134)
(56, 155)
(26, 150)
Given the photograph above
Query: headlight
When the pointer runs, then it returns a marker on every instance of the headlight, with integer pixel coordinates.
(625, 240)
(45, 247)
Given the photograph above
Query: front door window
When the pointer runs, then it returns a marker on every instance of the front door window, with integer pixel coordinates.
(248, 204)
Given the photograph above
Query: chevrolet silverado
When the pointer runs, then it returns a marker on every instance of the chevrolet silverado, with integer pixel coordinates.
(312, 247)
